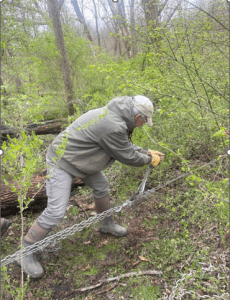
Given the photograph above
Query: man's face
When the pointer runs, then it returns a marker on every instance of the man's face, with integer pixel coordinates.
(138, 121)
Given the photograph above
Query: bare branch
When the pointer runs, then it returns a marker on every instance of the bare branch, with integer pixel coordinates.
(148, 272)
(162, 7)
(35, 22)
(61, 2)
(207, 14)
(173, 12)
(39, 9)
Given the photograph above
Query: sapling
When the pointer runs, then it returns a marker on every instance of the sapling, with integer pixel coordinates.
(22, 157)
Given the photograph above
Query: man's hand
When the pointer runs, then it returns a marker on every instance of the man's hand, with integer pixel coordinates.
(156, 157)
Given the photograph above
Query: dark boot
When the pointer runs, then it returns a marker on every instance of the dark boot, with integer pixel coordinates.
(107, 225)
(5, 224)
(31, 266)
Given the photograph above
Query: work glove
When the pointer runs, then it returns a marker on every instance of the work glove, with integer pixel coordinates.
(156, 157)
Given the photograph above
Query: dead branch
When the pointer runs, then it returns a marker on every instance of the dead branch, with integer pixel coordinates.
(148, 272)
(109, 289)
(46, 127)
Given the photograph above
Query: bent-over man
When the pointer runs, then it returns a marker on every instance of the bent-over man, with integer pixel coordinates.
(94, 142)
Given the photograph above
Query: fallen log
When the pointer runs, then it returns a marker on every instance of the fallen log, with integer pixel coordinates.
(46, 127)
(9, 199)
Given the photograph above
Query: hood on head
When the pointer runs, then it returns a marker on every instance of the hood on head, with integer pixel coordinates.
(123, 106)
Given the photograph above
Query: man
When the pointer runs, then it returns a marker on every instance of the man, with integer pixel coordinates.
(94, 141)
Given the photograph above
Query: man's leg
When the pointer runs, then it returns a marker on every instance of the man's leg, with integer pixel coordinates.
(58, 188)
(100, 186)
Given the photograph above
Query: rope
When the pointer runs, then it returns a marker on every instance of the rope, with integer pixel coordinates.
(56, 238)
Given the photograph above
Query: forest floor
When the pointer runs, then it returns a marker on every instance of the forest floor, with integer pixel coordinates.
(162, 236)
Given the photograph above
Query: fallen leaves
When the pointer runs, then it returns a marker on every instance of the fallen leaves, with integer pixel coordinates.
(102, 243)
(136, 263)
(200, 292)
(168, 291)
(93, 213)
(86, 268)
(87, 242)
(84, 206)
(80, 267)
(143, 258)
(10, 231)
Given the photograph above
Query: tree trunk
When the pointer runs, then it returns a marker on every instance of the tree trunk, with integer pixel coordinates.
(18, 83)
(81, 19)
(96, 19)
(48, 127)
(55, 16)
(124, 28)
(118, 9)
(4, 93)
(132, 22)
(151, 15)
(9, 199)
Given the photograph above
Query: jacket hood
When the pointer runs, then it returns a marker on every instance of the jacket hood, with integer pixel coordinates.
(123, 106)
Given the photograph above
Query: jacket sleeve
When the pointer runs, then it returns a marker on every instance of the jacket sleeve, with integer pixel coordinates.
(140, 149)
(118, 146)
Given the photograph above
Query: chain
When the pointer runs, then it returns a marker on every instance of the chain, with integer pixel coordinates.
(183, 292)
(56, 238)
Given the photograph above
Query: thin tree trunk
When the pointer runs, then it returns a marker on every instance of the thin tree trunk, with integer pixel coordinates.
(151, 15)
(81, 18)
(124, 28)
(55, 16)
(116, 26)
(40, 11)
(61, 2)
(96, 19)
(18, 84)
(120, 24)
(132, 21)
(18, 81)
(4, 93)
(172, 13)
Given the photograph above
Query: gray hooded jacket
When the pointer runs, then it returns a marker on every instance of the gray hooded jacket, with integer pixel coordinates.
(98, 138)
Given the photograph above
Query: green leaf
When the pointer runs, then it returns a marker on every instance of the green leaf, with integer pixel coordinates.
(220, 133)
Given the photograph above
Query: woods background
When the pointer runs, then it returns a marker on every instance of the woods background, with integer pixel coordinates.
(62, 58)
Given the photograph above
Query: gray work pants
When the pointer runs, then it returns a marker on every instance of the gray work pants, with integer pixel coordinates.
(58, 188)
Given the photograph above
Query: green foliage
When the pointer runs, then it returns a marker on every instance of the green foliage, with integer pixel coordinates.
(8, 289)
(183, 69)
(146, 293)
(73, 210)
(23, 108)
(21, 160)
(61, 148)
